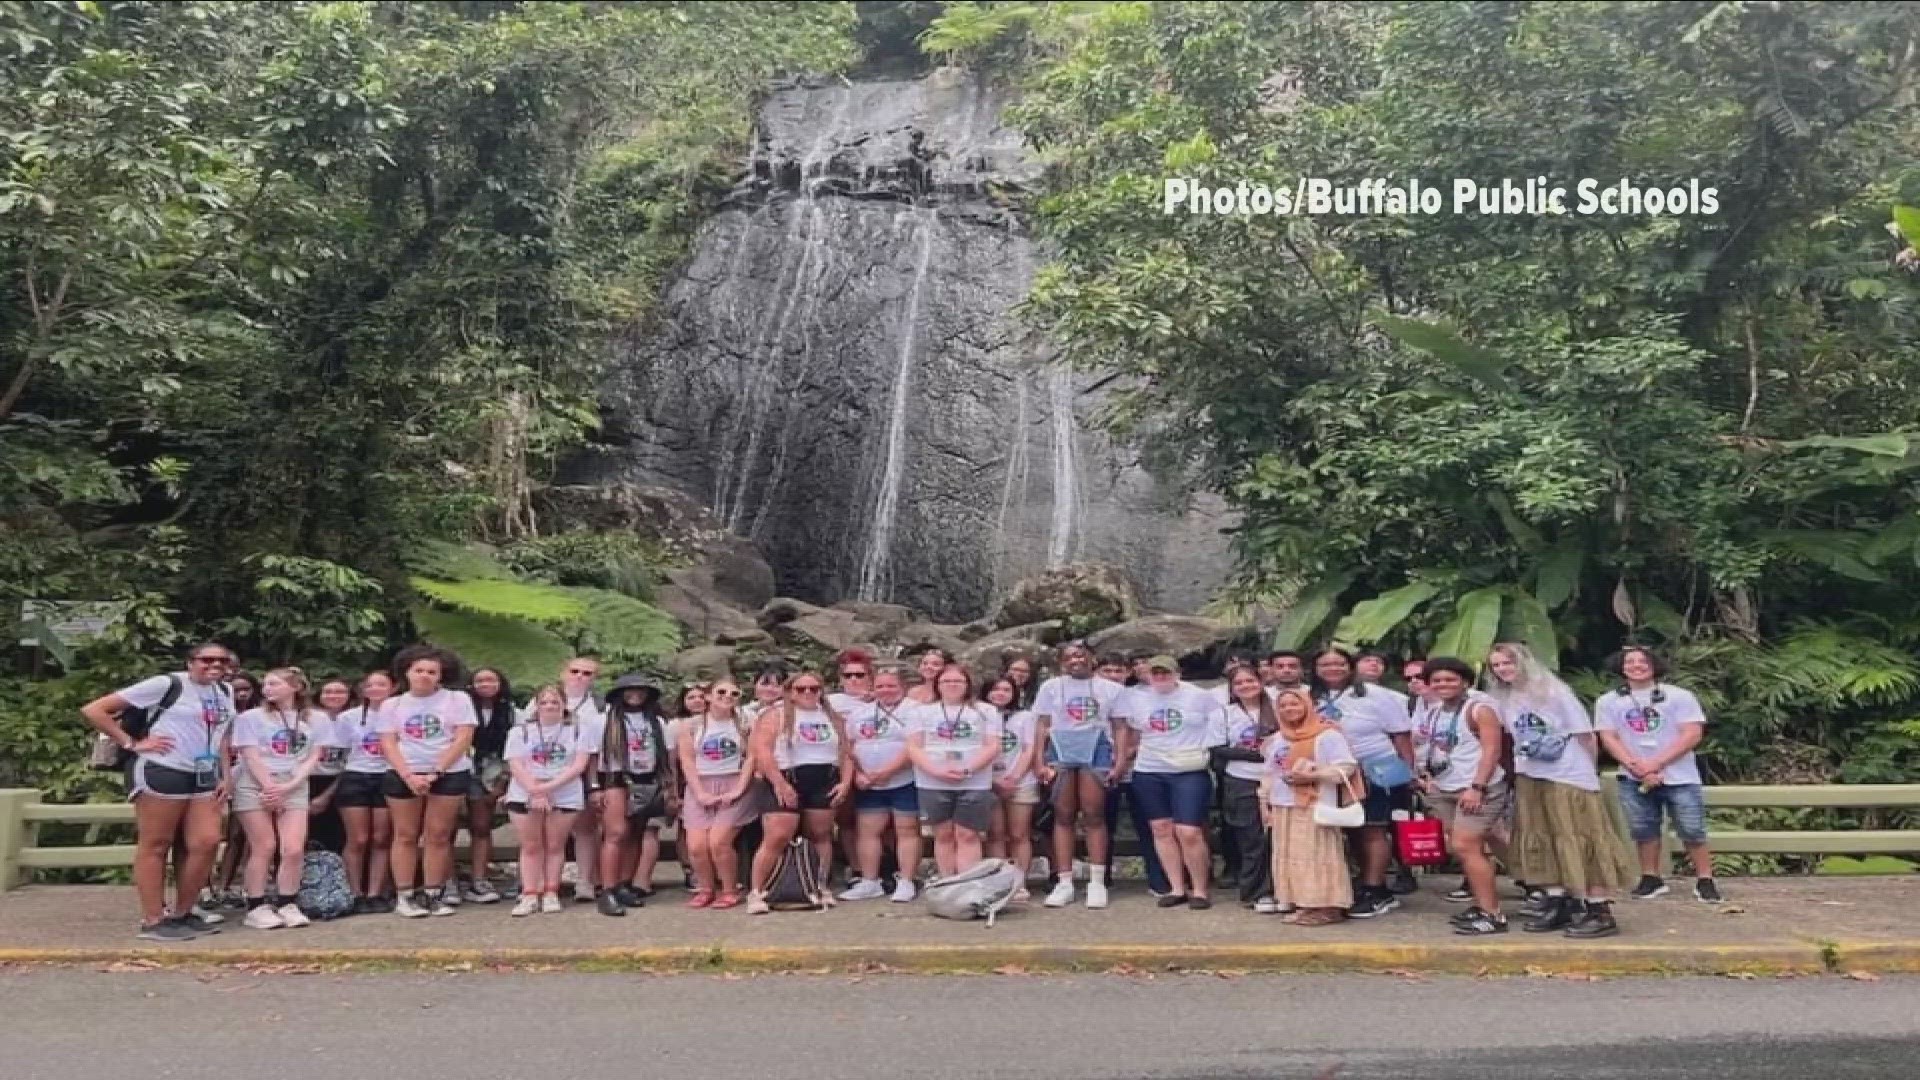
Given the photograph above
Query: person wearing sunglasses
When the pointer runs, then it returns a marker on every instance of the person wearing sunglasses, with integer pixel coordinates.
(801, 749)
(713, 761)
(855, 670)
(179, 780)
(884, 796)
(576, 686)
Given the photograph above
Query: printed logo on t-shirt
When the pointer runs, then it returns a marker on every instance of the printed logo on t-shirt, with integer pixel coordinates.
(1642, 721)
(815, 732)
(549, 752)
(637, 743)
(954, 728)
(1009, 742)
(719, 748)
(1443, 737)
(286, 743)
(1247, 737)
(1530, 725)
(370, 742)
(1330, 709)
(1084, 709)
(871, 727)
(425, 725)
(1165, 720)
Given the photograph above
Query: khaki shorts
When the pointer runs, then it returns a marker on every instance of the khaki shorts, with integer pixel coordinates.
(246, 793)
(1496, 809)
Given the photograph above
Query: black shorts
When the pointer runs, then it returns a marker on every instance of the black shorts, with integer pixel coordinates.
(610, 779)
(453, 783)
(166, 782)
(814, 783)
(361, 790)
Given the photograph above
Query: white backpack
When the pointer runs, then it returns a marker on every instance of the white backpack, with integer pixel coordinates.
(983, 890)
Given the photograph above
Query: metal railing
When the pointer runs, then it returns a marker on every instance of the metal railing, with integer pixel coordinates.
(22, 813)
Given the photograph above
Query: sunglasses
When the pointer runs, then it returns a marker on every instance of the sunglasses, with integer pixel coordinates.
(853, 674)
(213, 659)
(581, 671)
(806, 689)
(723, 693)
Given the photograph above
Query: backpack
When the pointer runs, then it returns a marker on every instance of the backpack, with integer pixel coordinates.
(324, 893)
(106, 755)
(984, 890)
(795, 884)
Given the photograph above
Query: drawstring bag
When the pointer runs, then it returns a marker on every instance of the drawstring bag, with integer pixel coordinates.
(1419, 839)
(324, 893)
(795, 884)
(980, 891)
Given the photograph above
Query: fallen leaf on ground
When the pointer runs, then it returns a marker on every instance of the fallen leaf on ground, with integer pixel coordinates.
(1230, 973)
(1538, 972)
(730, 976)
(1741, 975)
(1732, 909)
(1835, 903)
(1124, 969)
(1578, 976)
(1416, 976)
(1010, 969)
(463, 966)
(119, 966)
(1863, 976)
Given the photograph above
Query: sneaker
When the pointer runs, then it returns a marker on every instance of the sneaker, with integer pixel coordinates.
(449, 895)
(1020, 896)
(262, 917)
(903, 890)
(1373, 903)
(1478, 923)
(757, 904)
(407, 907)
(166, 930)
(1403, 883)
(629, 896)
(1062, 893)
(1535, 905)
(199, 926)
(1266, 905)
(1649, 887)
(864, 889)
(1557, 914)
(292, 917)
(550, 904)
(1594, 922)
(1705, 891)
(1040, 870)
(1096, 895)
(362, 905)
(1079, 870)
(528, 904)
(207, 915)
(385, 905)
(483, 892)
(436, 902)
(609, 904)
(1461, 895)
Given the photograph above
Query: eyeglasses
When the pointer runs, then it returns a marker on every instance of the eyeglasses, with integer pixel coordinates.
(806, 689)
(853, 674)
(723, 693)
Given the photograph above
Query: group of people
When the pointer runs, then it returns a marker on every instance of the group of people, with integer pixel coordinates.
(1307, 760)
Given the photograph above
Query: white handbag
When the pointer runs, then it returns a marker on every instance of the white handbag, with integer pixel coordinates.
(1351, 816)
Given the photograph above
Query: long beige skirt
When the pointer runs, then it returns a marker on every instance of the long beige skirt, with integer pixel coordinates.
(1570, 837)
(1309, 861)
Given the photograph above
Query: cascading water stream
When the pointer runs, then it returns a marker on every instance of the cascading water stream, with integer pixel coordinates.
(874, 568)
(1064, 521)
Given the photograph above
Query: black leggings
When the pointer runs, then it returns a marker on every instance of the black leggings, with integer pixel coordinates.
(1255, 877)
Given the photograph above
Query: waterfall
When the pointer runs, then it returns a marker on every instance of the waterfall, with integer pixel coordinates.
(874, 567)
(1066, 469)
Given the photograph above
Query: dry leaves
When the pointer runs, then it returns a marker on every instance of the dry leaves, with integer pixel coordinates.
(121, 966)
(1863, 976)
(1741, 975)
(1011, 969)
(1732, 909)
(1230, 973)
(460, 968)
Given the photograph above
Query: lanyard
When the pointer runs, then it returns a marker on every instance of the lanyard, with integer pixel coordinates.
(1453, 729)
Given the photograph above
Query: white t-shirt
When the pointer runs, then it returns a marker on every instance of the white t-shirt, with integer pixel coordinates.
(1331, 748)
(719, 746)
(336, 740)
(956, 733)
(879, 737)
(548, 750)
(1016, 734)
(1243, 733)
(426, 727)
(1078, 704)
(1441, 734)
(1398, 698)
(1223, 693)
(642, 756)
(1650, 726)
(1559, 714)
(813, 740)
(196, 721)
(586, 710)
(844, 703)
(360, 726)
(1369, 720)
(1184, 719)
(284, 740)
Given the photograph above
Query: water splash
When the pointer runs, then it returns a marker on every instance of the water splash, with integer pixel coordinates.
(875, 566)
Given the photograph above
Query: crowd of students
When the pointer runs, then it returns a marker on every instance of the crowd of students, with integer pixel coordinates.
(1307, 762)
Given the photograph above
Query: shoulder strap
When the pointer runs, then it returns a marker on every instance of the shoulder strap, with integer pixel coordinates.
(167, 700)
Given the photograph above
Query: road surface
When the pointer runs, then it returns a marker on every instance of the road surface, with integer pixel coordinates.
(64, 1023)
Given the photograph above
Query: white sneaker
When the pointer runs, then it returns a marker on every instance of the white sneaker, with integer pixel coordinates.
(263, 918)
(903, 890)
(211, 918)
(864, 890)
(1096, 894)
(757, 904)
(583, 893)
(292, 916)
(1020, 896)
(550, 904)
(1062, 893)
(1041, 869)
(527, 905)
(449, 894)
(483, 892)
(437, 902)
(1266, 905)
(404, 907)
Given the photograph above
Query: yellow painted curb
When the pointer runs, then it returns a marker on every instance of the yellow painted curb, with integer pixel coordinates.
(1516, 959)
(1882, 956)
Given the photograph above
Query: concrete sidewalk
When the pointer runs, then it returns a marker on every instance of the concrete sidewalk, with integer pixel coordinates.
(1808, 925)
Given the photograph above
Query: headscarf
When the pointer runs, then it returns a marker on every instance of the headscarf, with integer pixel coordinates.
(1300, 740)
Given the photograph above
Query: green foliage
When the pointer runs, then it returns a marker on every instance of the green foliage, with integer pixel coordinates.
(519, 600)
(619, 562)
(310, 611)
(526, 652)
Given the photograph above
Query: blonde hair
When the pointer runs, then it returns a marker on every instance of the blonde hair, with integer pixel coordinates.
(294, 677)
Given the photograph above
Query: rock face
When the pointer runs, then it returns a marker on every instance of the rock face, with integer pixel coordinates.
(1088, 594)
(838, 373)
(1190, 639)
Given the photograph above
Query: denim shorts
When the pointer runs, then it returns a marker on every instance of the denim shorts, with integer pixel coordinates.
(1686, 804)
(1184, 797)
(1089, 750)
(904, 799)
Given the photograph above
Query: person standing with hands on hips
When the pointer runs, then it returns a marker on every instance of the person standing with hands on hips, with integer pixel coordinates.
(1651, 728)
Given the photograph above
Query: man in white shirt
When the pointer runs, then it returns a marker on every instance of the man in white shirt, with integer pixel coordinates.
(1651, 728)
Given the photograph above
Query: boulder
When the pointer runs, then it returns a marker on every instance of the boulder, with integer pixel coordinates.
(828, 628)
(917, 637)
(1084, 595)
(1191, 639)
(705, 662)
(1034, 641)
(690, 595)
(784, 609)
(677, 521)
(882, 621)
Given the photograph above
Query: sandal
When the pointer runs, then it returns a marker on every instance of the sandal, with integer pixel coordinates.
(729, 900)
(701, 898)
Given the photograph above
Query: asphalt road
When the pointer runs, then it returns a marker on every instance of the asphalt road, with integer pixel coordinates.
(64, 1023)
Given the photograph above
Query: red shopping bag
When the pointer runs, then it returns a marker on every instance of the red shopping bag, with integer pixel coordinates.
(1420, 841)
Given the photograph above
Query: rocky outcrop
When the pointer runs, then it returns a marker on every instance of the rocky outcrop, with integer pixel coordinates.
(1034, 641)
(838, 372)
(1191, 639)
(1082, 595)
(731, 569)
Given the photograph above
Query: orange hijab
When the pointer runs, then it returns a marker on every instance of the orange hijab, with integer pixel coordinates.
(1300, 737)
